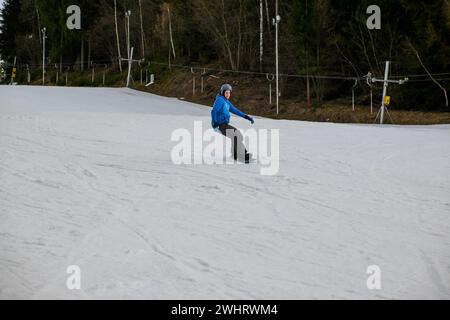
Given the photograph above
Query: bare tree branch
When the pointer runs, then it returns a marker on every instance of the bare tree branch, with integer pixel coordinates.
(428, 72)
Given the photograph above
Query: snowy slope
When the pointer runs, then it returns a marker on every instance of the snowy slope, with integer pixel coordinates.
(86, 179)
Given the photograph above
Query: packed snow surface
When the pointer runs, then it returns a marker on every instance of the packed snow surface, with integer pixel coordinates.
(86, 179)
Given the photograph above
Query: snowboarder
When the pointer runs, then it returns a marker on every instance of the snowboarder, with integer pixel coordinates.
(220, 115)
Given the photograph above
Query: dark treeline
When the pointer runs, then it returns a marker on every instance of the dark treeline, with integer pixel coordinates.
(321, 37)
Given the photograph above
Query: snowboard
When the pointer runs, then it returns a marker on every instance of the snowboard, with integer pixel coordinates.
(250, 159)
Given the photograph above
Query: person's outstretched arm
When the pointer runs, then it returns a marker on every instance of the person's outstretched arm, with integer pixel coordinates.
(239, 113)
(236, 111)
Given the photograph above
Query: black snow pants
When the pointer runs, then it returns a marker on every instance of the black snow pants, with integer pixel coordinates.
(237, 142)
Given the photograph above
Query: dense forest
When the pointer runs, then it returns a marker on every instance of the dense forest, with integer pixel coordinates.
(319, 40)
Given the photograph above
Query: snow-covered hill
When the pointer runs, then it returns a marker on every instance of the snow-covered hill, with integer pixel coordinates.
(86, 179)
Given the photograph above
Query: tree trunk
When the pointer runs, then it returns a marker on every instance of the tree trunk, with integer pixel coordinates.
(117, 36)
(308, 92)
(268, 19)
(61, 51)
(240, 36)
(89, 51)
(82, 54)
(39, 21)
(127, 36)
(261, 34)
(142, 30)
(226, 39)
(170, 33)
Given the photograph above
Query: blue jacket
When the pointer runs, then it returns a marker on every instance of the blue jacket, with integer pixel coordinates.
(220, 113)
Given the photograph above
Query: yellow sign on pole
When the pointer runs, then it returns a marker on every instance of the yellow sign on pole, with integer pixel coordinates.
(14, 73)
(387, 100)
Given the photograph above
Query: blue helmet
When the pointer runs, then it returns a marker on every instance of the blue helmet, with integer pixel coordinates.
(225, 87)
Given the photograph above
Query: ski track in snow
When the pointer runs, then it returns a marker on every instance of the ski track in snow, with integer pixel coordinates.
(86, 179)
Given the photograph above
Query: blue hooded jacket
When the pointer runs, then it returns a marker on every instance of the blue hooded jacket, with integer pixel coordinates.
(220, 113)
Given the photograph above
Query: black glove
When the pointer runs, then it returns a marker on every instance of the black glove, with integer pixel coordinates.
(249, 118)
